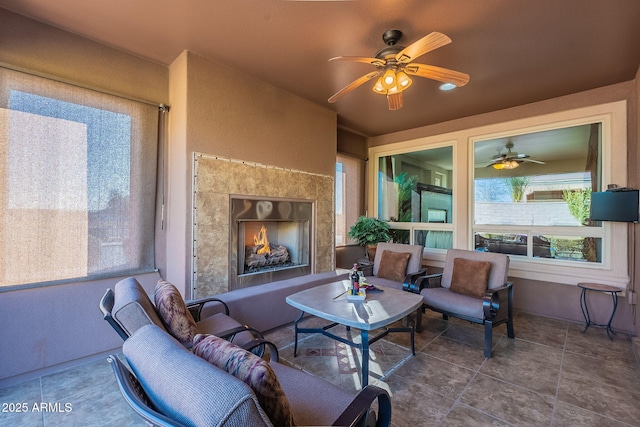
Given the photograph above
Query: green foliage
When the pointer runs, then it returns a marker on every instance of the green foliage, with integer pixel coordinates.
(579, 202)
(517, 184)
(406, 184)
(369, 231)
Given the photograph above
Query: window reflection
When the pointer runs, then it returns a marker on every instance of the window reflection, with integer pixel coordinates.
(416, 187)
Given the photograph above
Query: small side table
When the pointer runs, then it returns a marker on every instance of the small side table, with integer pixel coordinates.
(598, 287)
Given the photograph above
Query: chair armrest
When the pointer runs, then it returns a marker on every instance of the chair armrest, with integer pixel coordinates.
(196, 306)
(412, 277)
(257, 347)
(426, 281)
(106, 307)
(358, 411)
(230, 334)
(497, 303)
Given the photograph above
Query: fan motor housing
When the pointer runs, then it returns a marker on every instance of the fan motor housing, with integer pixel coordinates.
(390, 38)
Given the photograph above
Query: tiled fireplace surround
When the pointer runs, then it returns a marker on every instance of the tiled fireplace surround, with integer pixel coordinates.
(216, 180)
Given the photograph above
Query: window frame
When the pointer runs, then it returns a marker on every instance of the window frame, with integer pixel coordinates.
(376, 153)
(614, 268)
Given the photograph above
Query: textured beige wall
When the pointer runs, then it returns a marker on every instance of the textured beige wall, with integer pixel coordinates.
(224, 113)
(37, 47)
(238, 117)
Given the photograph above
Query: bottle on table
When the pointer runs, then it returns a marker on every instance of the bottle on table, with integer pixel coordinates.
(355, 280)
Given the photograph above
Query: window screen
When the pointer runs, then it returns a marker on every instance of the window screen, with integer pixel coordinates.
(77, 182)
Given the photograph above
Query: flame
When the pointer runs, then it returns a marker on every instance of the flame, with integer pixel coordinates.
(261, 239)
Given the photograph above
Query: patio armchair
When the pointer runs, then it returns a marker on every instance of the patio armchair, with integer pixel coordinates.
(397, 265)
(473, 286)
(168, 385)
(128, 307)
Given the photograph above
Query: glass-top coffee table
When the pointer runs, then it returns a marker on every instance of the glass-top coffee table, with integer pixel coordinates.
(378, 310)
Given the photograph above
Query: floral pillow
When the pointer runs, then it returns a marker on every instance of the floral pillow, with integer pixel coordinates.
(250, 369)
(174, 313)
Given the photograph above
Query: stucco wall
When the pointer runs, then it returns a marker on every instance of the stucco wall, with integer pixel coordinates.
(224, 113)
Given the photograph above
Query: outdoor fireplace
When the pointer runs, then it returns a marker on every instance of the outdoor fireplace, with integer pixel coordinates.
(270, 240)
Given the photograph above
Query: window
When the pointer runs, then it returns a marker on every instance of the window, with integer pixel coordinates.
(78, 182)
(349, 195)
(414, 196)
(532, 194)
(534, 209)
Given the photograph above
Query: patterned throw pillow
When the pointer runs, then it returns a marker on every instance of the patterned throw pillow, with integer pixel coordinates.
(393, 265)
(470, 277)
(251, 369)
(174, 313)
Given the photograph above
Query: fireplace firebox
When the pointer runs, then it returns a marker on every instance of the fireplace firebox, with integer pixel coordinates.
(270, 240)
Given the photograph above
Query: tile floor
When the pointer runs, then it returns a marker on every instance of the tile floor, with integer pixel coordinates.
(550, 375)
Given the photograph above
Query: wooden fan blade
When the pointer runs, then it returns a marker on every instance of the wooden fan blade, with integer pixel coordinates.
(354, 84)
(426, 44)
(437, 73)
(373, 61)
(394, 100)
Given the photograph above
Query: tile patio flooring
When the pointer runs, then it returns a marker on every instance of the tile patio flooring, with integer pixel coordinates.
(550, 375)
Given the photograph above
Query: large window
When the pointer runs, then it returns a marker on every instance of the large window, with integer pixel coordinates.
(522, 188)
(532, 194)
(77, 182)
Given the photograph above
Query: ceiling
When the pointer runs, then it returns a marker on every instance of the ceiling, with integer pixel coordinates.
(515, 51)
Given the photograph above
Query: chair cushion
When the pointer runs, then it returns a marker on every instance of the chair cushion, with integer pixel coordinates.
(470, 277)
(251, 369)
(185, 387)
(132, 308)
(174, 313)
(393, 265)
(442, 299)
(314, 401)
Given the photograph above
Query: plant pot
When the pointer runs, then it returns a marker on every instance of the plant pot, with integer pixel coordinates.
(371, 252)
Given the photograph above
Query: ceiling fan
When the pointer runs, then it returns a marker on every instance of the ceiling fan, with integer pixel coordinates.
(510, 159)
(394, 66)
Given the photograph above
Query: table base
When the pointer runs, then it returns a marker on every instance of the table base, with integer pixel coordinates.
(364, 344)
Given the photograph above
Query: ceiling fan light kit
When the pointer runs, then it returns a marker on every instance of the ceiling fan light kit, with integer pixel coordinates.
(506, 164)
(510, 159)
(393, 64)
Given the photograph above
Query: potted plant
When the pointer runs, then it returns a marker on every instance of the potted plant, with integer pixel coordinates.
(369, 232)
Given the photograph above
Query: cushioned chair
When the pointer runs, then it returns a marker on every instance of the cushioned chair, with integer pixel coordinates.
(171, 386)
(397, 264)
(128, 307)
(473, 286)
